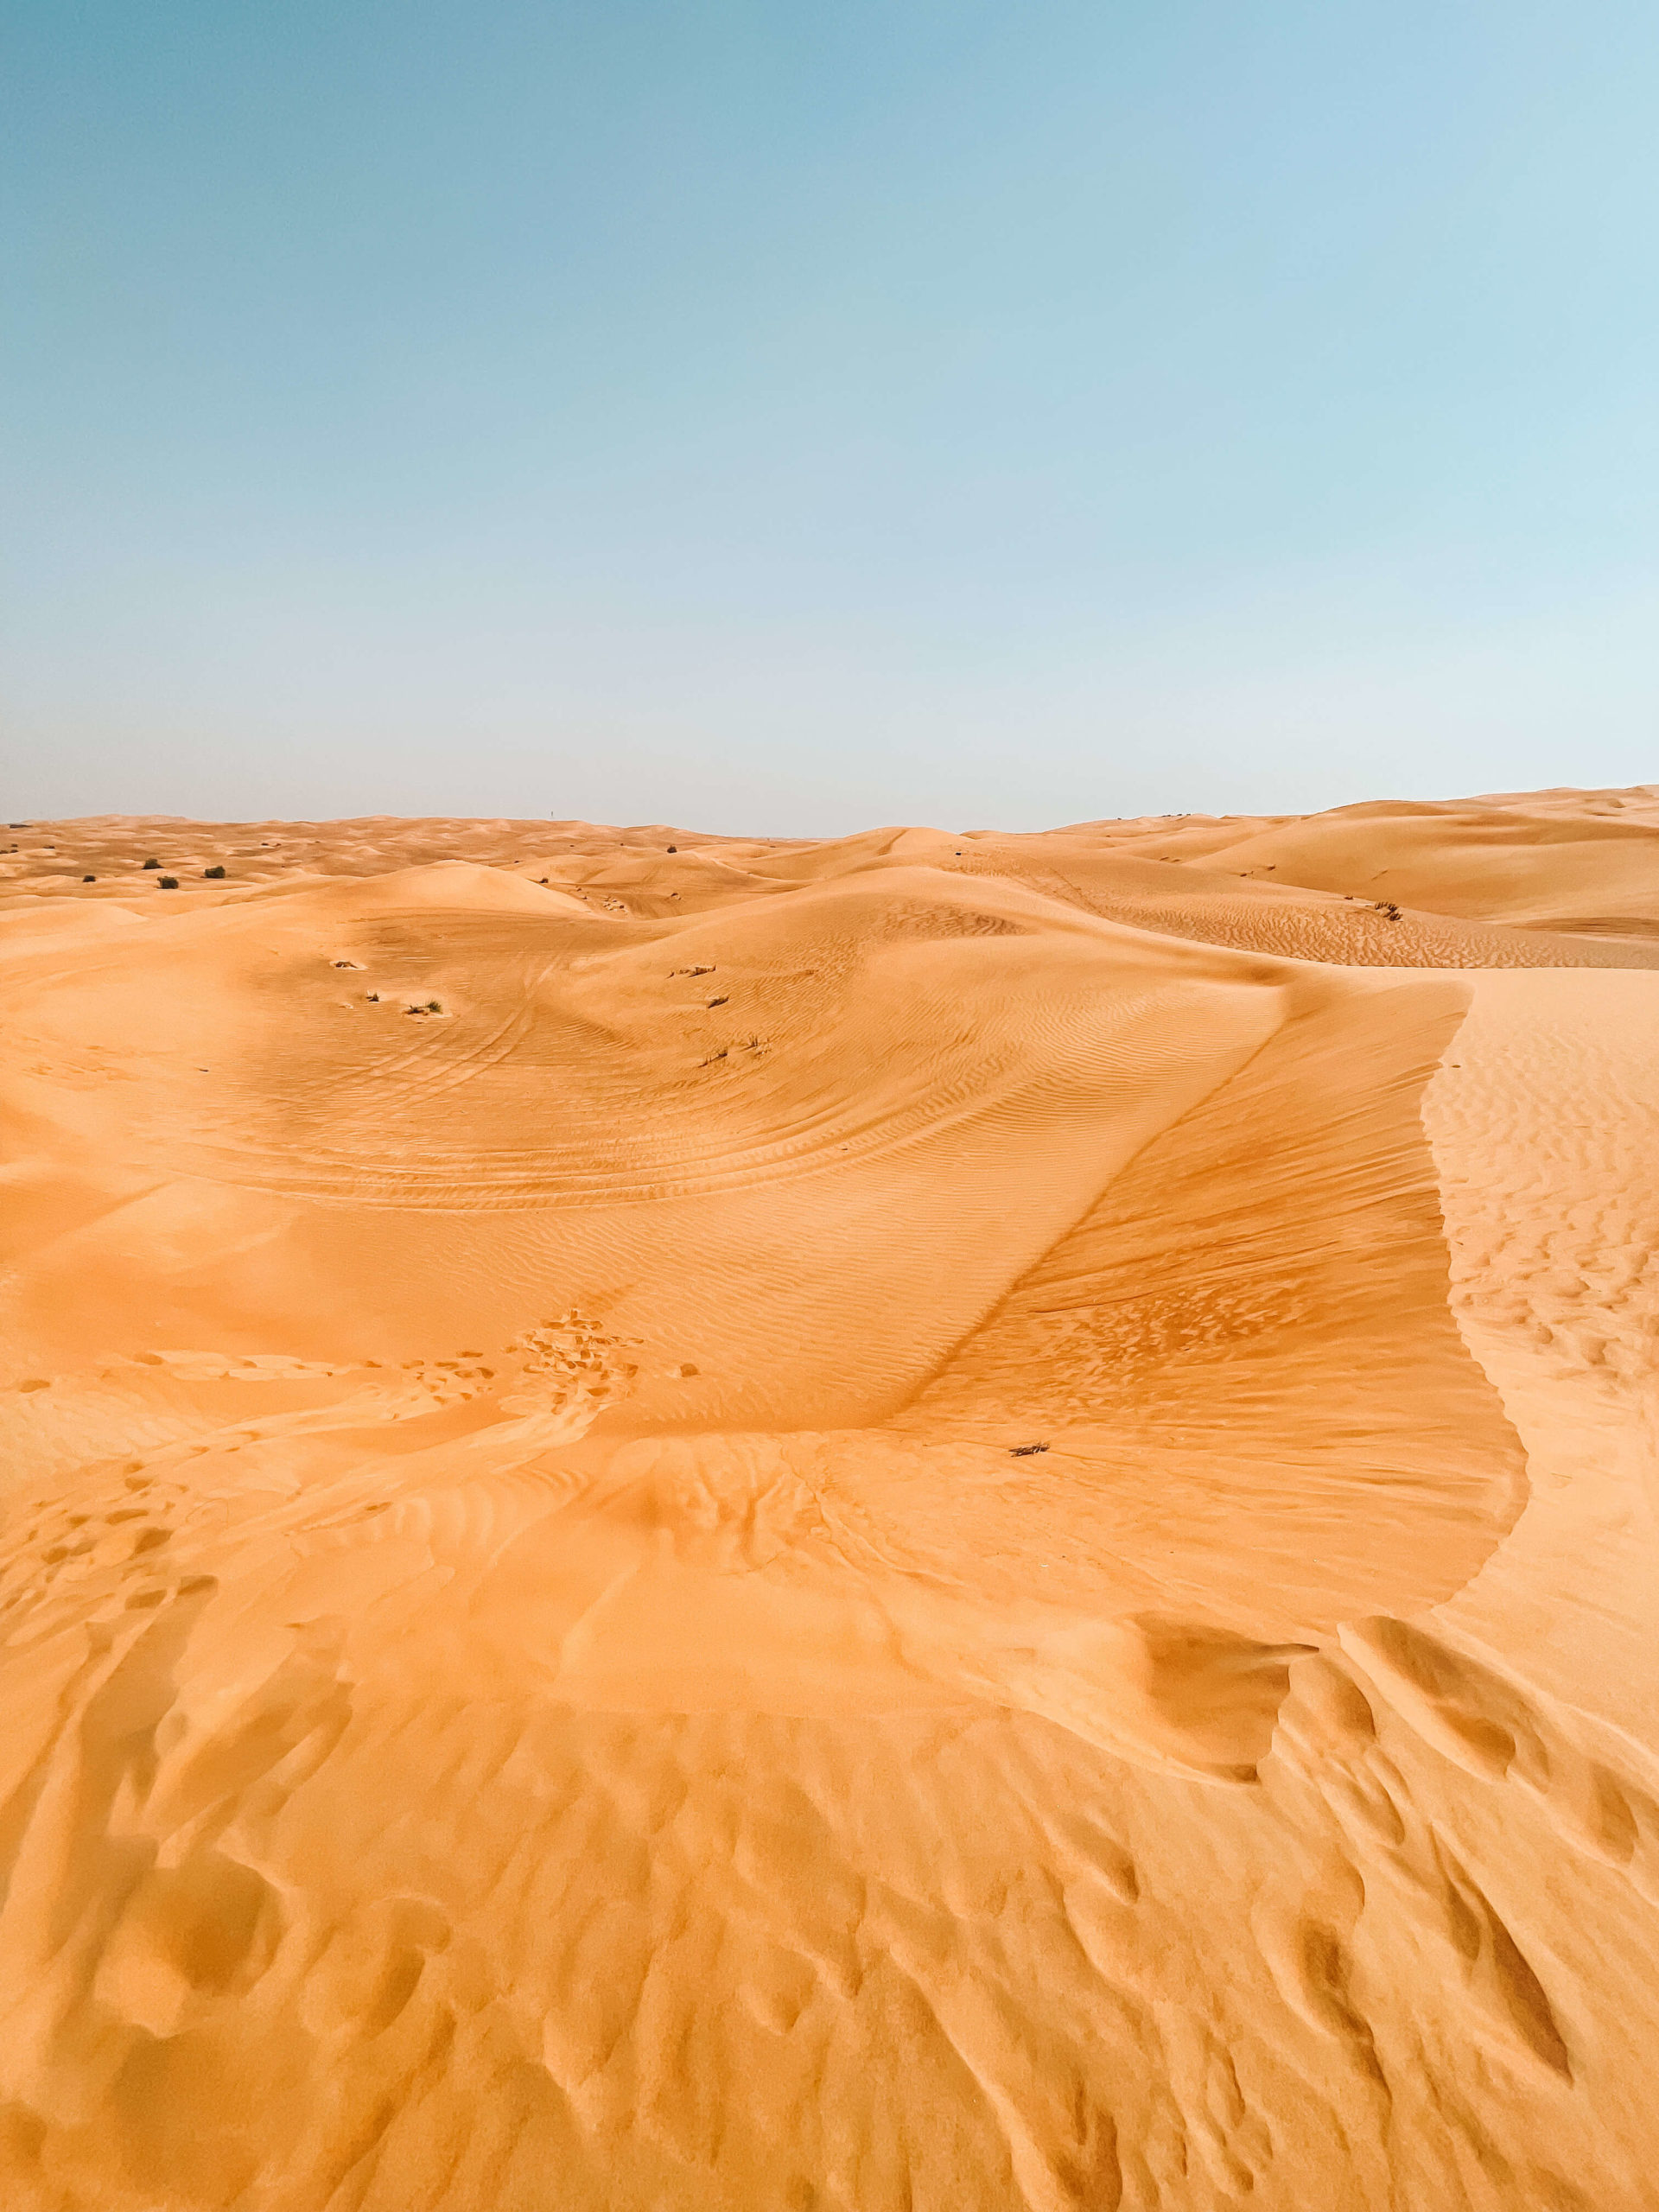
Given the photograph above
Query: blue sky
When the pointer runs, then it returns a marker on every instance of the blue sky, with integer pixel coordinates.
(783, 418)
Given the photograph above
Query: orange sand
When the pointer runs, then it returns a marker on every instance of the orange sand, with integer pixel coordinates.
(923, 1523)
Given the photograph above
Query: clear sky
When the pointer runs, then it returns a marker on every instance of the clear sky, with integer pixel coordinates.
(779, 417)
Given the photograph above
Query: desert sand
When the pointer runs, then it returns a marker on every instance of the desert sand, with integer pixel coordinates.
(920, 1523)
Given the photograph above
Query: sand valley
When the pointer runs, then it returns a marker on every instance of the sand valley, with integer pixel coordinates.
(919, 1523)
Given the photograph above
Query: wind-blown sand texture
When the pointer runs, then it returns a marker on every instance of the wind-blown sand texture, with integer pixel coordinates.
(922, 1523)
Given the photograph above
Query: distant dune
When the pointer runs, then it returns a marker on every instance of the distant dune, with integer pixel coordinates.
(927, 1523)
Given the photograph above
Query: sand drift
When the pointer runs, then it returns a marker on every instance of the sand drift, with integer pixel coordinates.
(923, 1523)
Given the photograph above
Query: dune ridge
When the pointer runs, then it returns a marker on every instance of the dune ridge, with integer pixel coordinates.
(944, 1520)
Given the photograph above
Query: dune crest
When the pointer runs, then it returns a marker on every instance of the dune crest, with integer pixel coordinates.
(934, 1521)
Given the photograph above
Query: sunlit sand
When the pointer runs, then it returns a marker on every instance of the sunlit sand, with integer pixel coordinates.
(919, 1523)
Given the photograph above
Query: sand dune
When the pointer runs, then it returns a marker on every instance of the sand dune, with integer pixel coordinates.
(951, 1521)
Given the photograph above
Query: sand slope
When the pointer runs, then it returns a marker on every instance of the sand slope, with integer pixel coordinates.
(924, 1521)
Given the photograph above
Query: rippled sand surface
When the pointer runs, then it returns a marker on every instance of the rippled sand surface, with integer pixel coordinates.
(922, 1523)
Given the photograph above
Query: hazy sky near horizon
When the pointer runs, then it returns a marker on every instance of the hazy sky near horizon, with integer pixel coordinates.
(785, 418)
